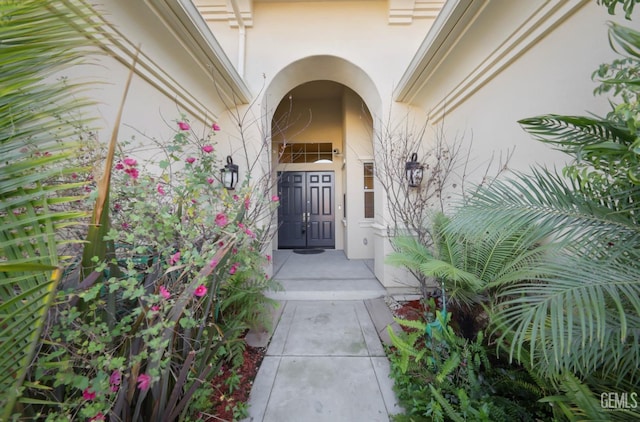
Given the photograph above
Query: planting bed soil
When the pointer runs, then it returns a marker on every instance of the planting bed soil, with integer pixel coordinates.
(225, 398)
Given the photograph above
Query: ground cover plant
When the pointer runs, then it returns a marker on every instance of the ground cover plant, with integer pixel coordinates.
(551, 259)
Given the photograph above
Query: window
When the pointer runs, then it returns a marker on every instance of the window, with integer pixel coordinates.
(368, 190)
(307, 153)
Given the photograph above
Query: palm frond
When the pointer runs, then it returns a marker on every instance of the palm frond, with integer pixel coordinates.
(552, 207)
(577, 134)
(39, 39)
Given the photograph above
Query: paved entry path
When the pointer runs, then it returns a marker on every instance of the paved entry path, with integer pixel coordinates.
(325, 361)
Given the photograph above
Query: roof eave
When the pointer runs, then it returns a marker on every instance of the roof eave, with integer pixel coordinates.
(186, 22)
(452, 21)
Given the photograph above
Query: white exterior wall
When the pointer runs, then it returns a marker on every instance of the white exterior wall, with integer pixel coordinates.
(498, 73)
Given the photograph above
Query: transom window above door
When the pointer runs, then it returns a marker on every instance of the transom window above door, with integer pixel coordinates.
(313, 152)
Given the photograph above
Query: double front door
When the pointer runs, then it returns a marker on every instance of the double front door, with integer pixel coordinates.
(306, 214)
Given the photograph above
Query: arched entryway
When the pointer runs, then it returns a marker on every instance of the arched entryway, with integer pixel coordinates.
(323, 156)
(320, 110)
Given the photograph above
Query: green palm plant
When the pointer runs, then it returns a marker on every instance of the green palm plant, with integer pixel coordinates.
(38, 39)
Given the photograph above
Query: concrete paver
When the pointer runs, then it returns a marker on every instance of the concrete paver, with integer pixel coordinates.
(325, 360)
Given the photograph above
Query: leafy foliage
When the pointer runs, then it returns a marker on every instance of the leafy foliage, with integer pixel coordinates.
(38, 198)
(143, 339)
(444, 377)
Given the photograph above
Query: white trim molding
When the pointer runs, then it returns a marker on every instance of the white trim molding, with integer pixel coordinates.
(227, 10)
(403, 12)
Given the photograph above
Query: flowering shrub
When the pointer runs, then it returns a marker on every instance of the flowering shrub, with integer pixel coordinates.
(183, 281)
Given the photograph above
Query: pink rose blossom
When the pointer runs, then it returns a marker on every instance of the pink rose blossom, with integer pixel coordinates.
(221, 220)
(155, 308)
(241, 225)
(210, 180)
(275, 198)
(234, 268)
(88, 394)
(114, 380)
(119, 165)
(234, 251)
(213, 263)
(160, 189)
(250, 233)
(143, 381)
(131, 162)
(221, 243)
(200, 291)
(125, 226)
(133, 172)
(184, 126)
(207, 148)
(191, 160)
(164, 292)
(175, 258)
(215, 127)
(74, 175)
(236, 197)
(247, 203)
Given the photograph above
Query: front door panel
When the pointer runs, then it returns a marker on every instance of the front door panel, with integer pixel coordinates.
(306, 212)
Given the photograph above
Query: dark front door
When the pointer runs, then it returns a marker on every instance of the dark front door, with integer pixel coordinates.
(306, 216)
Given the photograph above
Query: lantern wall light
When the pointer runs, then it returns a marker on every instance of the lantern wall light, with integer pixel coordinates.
(414, 171)
(229, 174)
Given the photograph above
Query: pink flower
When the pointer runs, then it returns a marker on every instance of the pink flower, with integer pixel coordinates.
(88, 394)
(268, 258)
(125, 226)
(250, 233)
(241, 225)
(117, 206)
(119, 165)
(200, 291)
(160, 189)
(114, 380)
(155, 308)
(184, 126)
(247, 202)
(133, 172)
(164, 292)
(74, 175)
(234, 268)
(210, 180)
(143, 381)
(215, 127)
(131, 162)
(275, 198)
(213, 263)
(221, 243)
(191, 160)
(207, 148)
(175, 258)
(98, 417)
(236, 197)
(221, 220)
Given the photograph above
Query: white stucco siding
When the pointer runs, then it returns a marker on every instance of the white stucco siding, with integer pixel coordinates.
(547, 73)
(357, 31)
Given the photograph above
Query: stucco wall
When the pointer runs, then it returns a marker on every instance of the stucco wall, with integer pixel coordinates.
(550, 74)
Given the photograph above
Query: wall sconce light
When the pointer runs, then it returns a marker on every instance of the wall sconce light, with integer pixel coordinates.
(414, 171)
(229, 174)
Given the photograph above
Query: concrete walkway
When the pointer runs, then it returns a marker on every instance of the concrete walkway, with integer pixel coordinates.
(325, 360)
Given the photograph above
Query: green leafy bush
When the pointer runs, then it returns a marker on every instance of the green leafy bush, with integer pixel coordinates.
(143, 334)
(441, 376)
